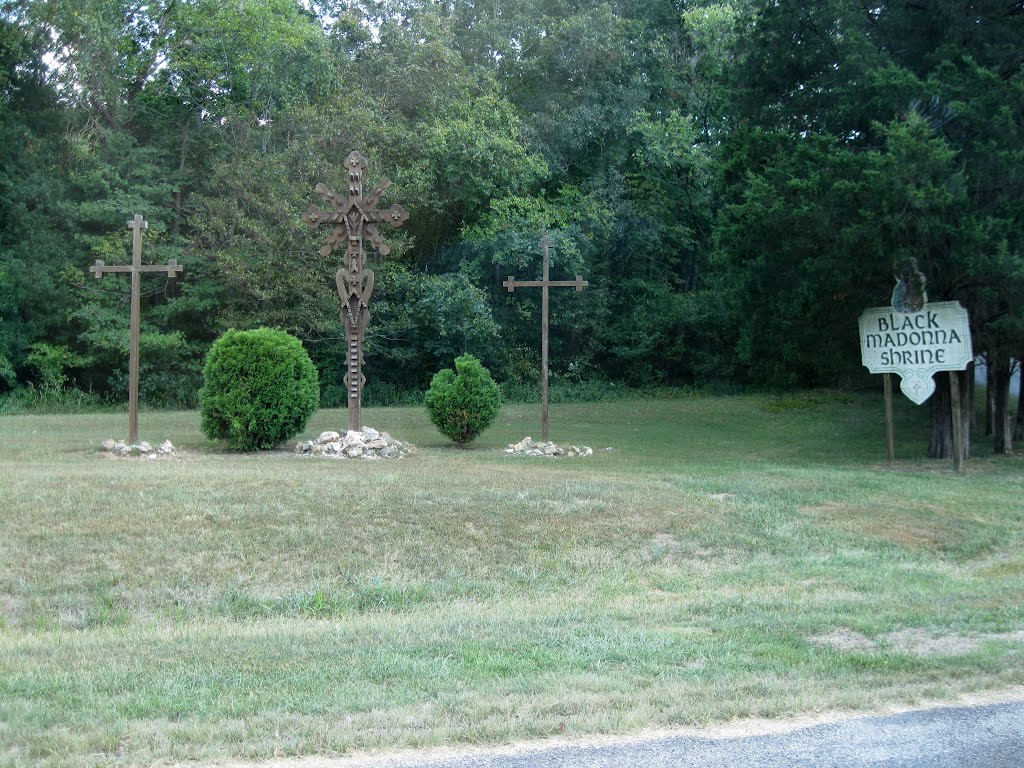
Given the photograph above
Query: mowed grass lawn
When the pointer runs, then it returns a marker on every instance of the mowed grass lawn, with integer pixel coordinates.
(727, 557)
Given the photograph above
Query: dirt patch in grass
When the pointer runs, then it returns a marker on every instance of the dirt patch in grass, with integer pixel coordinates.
(846, 640)
(922, 642)
(915, 642)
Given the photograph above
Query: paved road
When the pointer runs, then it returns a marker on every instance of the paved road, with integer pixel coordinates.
(990, 736)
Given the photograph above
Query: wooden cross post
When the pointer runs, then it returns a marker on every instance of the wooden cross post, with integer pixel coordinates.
(136, 268)
(579, 284)
(353, 218)
(890, 422)
(958, 437)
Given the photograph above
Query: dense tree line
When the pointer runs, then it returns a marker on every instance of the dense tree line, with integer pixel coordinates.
(735, 179)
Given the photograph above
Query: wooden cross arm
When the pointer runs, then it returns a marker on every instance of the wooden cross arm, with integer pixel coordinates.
(171, 267)
(373, 198)
(396, 215)
(579, 283)
(315, 217)
(331, 196)
(374, 236)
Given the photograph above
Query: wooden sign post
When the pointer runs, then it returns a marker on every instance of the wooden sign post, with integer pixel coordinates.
(353, 218)
(890, 421)
(136, 268)
(917, 344)
(579, 284)
(958, 437)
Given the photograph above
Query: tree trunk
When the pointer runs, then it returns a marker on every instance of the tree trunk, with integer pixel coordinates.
(1018, 430)
(972, 386)
(967, 407)
(989, 395)
(1001, 370)
(940, 446)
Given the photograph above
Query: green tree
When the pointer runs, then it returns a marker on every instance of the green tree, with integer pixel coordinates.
(875, 132)
(259, 389)
(32, 193)
(464, 402)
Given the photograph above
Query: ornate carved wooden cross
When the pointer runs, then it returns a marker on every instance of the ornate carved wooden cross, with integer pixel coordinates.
(353, 218)
(579, 284)
(136, 268)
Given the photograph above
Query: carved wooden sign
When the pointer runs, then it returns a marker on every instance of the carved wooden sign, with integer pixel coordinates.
(136, 268)
(579, 284)
(353, 218)
(916, 345)
(916, 339)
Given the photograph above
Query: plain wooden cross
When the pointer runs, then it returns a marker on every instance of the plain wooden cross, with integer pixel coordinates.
(353, 218)
(579, 284)
(136, 268)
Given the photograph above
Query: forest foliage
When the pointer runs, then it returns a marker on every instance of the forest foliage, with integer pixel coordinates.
(734, 178)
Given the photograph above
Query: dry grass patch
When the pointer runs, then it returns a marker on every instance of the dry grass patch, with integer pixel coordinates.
(913, 641)
(911, 524)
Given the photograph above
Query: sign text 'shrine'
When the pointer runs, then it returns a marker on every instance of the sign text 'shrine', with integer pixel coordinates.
(916, 345)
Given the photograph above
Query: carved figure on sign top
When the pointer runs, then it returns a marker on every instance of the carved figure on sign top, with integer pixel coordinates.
(910, 294)
(354, 218)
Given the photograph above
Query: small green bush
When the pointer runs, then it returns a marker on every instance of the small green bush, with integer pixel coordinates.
(463, 403)
(260, 389)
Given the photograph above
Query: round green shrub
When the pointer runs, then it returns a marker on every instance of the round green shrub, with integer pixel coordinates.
(463, 403)
(260, 389)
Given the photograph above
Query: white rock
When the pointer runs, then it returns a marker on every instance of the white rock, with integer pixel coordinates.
(166, 447)
(527, 447)
(108, 444)
(352, 444)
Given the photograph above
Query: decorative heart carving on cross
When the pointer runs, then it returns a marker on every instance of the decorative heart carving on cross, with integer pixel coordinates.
(359, 285)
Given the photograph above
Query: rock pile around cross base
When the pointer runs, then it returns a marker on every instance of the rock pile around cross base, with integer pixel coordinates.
(122, 449)
(526, 447)
(367, 443)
